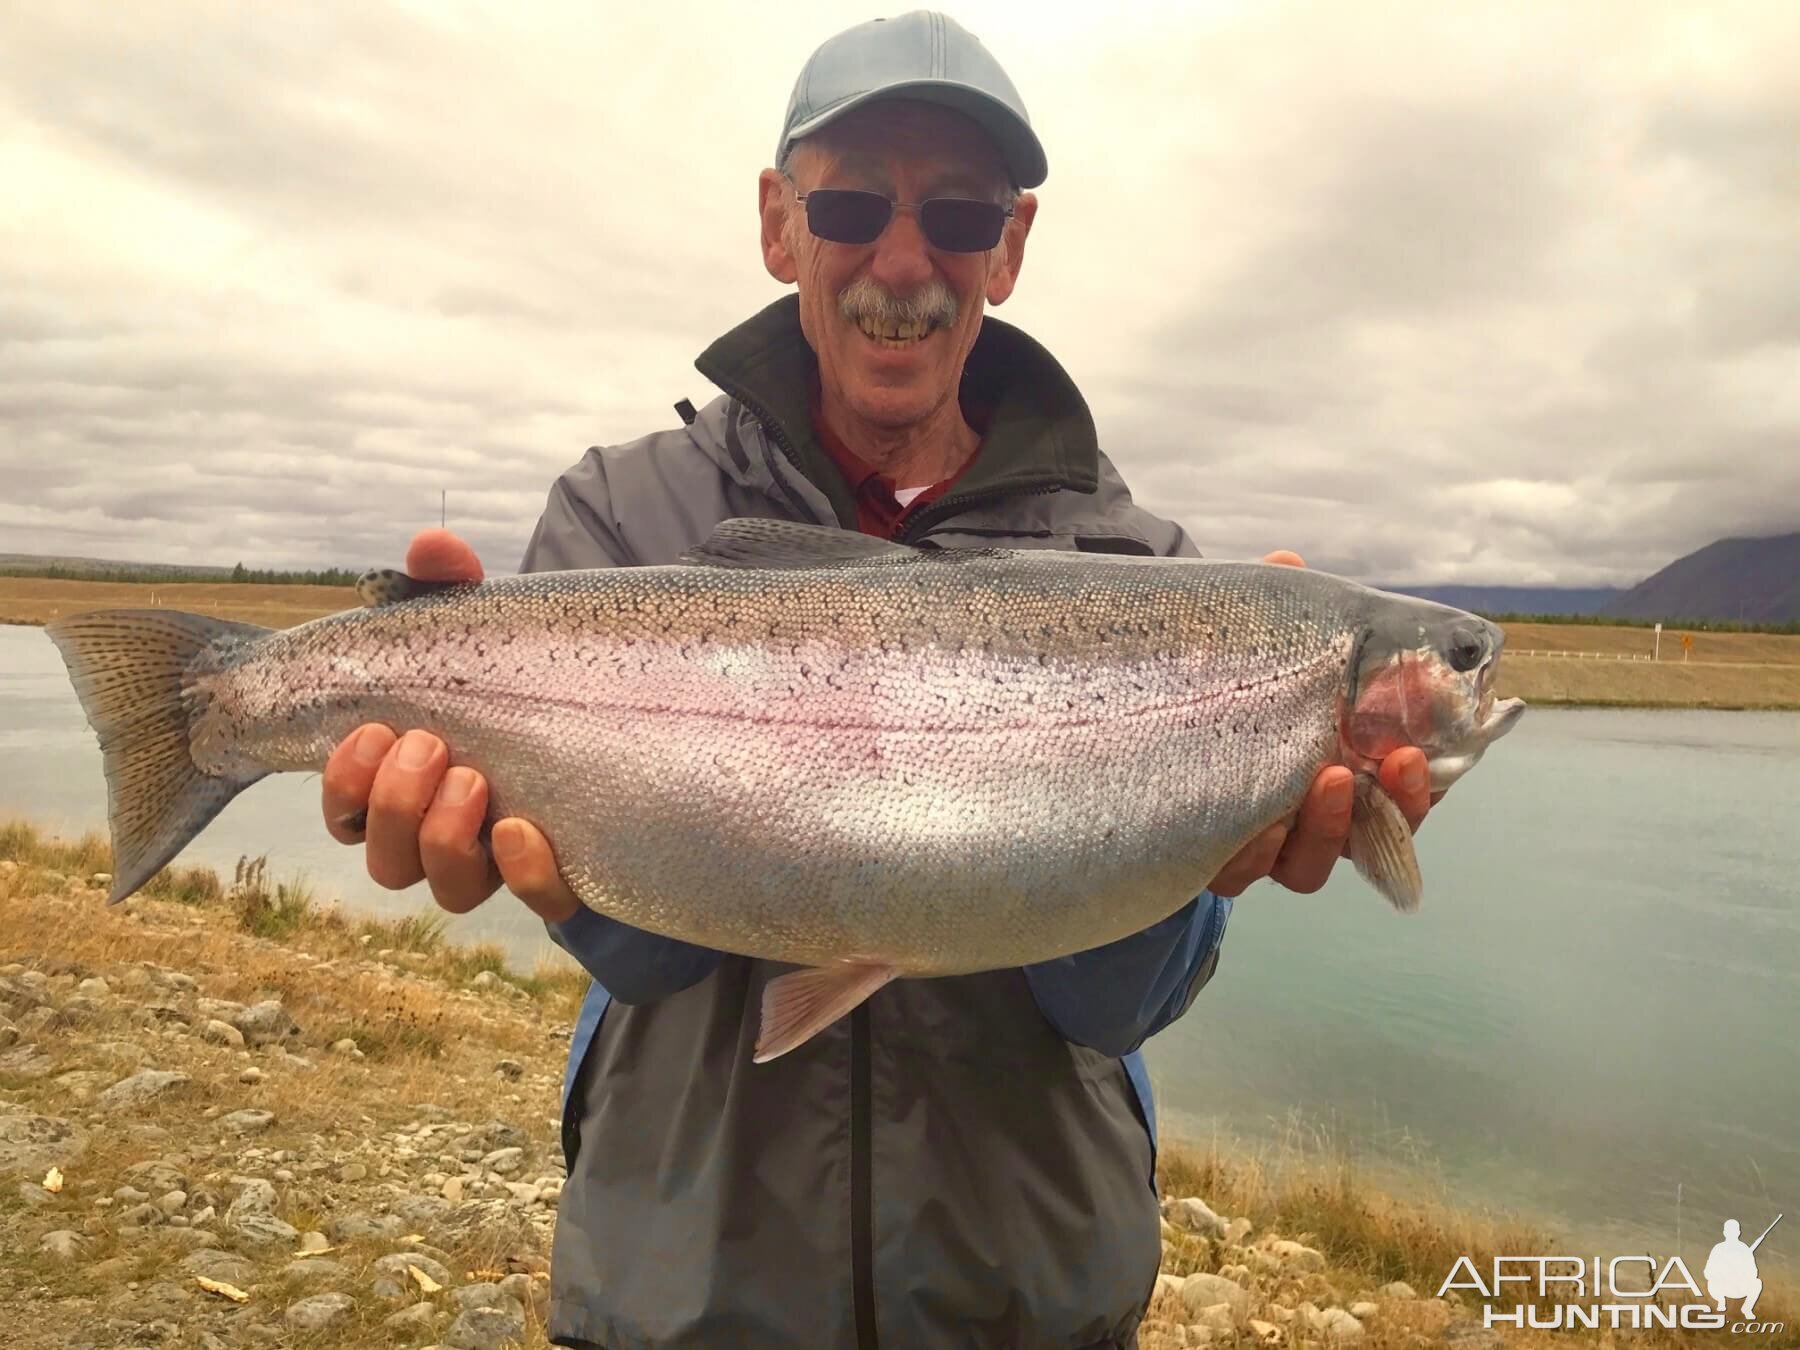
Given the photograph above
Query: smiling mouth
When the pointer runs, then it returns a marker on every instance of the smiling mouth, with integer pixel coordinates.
(895, 336)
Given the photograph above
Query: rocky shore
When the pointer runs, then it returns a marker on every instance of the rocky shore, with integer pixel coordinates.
(346, 1134)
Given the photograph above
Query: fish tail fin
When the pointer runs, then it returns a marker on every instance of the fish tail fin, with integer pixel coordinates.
(127, 666)
(1381, 846)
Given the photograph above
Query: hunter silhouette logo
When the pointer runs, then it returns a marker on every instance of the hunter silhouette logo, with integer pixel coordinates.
(1731, 1269)
(1577, 1292)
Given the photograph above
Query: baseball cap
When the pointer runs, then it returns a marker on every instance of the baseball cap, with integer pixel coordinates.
(921, 55)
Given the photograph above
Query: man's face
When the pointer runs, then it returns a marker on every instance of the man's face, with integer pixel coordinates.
(907, 152)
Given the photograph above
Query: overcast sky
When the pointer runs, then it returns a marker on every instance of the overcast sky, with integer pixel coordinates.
(1427, 292)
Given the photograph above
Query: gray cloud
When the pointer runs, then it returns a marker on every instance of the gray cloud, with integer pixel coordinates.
(1428, 293)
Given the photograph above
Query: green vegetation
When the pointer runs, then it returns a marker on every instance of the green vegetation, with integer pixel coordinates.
(158, 575)
(1790, 627)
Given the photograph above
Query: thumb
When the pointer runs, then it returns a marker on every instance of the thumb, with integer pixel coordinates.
(529, 867)
(1286, 557)
(438, 555)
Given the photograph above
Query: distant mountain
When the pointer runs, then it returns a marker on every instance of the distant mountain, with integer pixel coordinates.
(1740, 580)
(14, 562)
(1517, 599)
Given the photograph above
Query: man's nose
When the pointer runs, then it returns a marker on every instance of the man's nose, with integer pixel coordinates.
(902, 260)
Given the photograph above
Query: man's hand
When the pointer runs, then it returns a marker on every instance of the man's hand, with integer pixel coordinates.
(419, 817)
(1300, 854)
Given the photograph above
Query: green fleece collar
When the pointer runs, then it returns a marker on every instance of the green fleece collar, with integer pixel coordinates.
(1040, 437)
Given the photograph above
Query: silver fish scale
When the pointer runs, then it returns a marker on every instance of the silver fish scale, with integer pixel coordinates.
(946, 766)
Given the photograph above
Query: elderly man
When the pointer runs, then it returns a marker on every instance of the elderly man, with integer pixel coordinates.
(962, 1161)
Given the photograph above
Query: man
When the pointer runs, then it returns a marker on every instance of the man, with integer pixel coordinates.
(961, 1161)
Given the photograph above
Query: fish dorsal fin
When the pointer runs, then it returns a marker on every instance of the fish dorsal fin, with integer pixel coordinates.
(787, 543)
(388, 586)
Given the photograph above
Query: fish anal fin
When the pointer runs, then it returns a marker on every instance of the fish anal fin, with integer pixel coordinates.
(756, 543)
(799, 1005)
(1381, 846)
(389, 586)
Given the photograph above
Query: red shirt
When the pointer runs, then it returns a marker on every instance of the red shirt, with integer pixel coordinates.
(878, 511)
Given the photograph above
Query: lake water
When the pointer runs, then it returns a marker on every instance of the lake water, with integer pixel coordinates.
(1598, 1004)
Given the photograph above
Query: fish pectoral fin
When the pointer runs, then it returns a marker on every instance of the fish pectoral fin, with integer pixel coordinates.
(750, 542)
(798, 1006)
(389, 586)
(1381, 846)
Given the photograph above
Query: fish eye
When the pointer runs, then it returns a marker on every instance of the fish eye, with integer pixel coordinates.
(1467, 650)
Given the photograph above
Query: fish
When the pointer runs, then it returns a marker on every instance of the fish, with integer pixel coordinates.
(865, 759)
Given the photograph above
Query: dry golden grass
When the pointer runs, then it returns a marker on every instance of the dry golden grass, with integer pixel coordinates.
(36, 600)
(429, 1038)
(1759, 648)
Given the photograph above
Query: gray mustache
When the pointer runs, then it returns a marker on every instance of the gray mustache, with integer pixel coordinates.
(865, 298)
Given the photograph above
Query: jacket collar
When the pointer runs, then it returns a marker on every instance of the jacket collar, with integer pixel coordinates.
(1040, 437)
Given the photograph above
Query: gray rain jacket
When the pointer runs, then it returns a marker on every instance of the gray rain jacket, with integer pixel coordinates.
(961, 1162)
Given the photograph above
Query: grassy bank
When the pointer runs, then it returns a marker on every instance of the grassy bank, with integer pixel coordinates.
(1723, 670)
(400, 1106)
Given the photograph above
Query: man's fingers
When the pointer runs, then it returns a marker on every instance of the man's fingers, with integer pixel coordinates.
(438, 555)
(1286, 557)
(457, 866)
(1252, 862)
(349, 774)
(529, 868)
(1406, 777)
(404, 786)
(1320, 832)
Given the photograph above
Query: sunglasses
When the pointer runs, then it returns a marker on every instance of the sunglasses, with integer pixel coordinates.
(953, 224)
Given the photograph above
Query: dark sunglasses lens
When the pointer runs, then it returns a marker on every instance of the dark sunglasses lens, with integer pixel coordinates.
(958, 225)
(846, 217)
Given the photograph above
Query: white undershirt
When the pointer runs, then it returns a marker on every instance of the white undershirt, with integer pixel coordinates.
(906, 496)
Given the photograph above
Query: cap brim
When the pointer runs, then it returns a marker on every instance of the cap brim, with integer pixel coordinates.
(1019, 145)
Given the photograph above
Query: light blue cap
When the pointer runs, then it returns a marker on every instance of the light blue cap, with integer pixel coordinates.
(921, 55)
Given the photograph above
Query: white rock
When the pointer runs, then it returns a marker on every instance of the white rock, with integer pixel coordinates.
(1266, 1332)
(1200, 1291)
(1398, 1289)
(1195, 1215)
(221, 1033)
(62, 1245)
(1237, 1230)
(1218, 1316)
(146, 1085)
(1364, 1310)
(250, 1121)
(1297, 1254)
(1339, 1325)
(319, 1312)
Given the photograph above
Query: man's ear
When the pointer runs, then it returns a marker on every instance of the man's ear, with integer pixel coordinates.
(773, 202)
(1009, 257)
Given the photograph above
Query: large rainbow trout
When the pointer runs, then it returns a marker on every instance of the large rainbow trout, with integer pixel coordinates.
(818, 747)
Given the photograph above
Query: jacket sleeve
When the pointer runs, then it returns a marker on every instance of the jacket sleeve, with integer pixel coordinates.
(1113, 998)
(577, 530)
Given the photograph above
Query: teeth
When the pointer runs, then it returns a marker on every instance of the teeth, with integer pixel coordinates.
(894, 333)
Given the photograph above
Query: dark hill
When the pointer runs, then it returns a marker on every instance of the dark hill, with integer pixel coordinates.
(1739, 580)
(1516, 599)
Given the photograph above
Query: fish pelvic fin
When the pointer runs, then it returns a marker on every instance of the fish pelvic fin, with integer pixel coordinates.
(1381, 846)
(798, 1006)
(129, 669)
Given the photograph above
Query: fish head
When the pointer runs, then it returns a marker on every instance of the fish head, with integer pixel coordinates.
(1423, 675)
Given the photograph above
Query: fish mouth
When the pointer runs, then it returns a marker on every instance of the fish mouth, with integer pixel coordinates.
(1493, 717)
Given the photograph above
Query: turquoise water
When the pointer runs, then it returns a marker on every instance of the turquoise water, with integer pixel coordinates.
(1598, 1004)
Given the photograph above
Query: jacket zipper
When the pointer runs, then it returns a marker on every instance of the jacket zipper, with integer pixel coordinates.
(862, 1183)
(945, 507)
